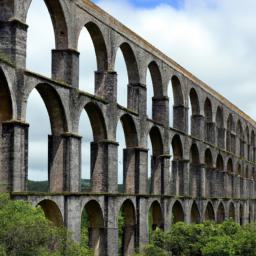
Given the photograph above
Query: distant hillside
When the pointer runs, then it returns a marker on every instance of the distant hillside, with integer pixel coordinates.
(42, 186)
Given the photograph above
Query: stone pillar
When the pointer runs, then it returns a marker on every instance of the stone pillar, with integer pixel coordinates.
(184, 177)
(72, 162)
(202, 181)
(156, 175)
(141, 171)
(65, 66)
(137, 94)
(174, 179)
(227, 192)
(220, 137)
(165, 167)
(237, 187)
(210, 132)
(161, 110)
(106, 85)
(180, 118)
(13, 39)
(197, 126)
(104, 166)
(129, 170)
(14, 156)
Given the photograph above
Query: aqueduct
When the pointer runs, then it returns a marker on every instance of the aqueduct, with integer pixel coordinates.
(209, 176)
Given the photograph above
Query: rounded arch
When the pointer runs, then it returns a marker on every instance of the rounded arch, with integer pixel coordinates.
(92, 223)
(97, 121)
(208, 158)
(131, 63)
(127, 220)
(58, 21)
(51, 212)
(195, 214)
(178, 97)
(156, 78)
(209, 212)
(230, 166)
(177, 212)
(232, 214)
(155, 216)
(99, 45)
(6, 107)
(220, 213)
(54, 108)
(177, 148)
(194, 101)
(194, 154)
(220, 163)
(130, 132)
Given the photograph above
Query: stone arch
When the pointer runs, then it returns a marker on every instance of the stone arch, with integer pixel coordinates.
(52, 212)
(194, 111)
(177, 148)
(155, 185)
(58, 21)
(6, 107)
(239, 169)
(131, 63)
(209, 130)
(178, 97)
(220, 127)
(92, 219)
(220, 213)
(97, 121)
(177, 212)
(127, 232)
(220, 163)
(248, 143)
(230, 168)
(195, 214)
(195, 171)
(208, 158)
(232, 213)
(54, 108)
(230, 138)
(240, 138)
(253, 146)
(130, 132)
(209, 212)
(156, 78)
(99, 45)
(155, 216)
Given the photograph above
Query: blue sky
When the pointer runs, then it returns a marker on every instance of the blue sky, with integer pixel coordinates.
(153, 3)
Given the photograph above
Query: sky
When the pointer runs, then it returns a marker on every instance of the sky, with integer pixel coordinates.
(213, 39)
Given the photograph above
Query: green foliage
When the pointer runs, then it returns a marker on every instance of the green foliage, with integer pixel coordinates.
(207, 239)
(26, 232)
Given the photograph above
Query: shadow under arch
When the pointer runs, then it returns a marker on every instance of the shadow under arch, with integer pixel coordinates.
(220, 127)
(232, 213)
(99, 46)
(156, 79)
(92, 222)
(155, 217)
(209, 212)
(130, 132)
(220, 213)
(177, 148)
(51, 212)
(177, 213)
(6, 107)
(195, 214)
(127, 228)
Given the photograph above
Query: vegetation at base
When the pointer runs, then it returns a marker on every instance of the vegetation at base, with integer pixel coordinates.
(26, 232)
(207, 239)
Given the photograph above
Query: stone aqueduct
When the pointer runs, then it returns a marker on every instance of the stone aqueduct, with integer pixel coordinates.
(212, 173)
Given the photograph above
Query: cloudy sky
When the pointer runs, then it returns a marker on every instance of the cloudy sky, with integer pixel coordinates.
(214, 39)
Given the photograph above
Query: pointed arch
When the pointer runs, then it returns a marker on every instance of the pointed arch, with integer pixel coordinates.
(177, 148)
(194, 112)
(209, 212)
(195, 106)
(155, 216)
(208, 158)
(127, 231)
(220, 213)
(194, 154)
(92, 222)
(209, 130)
(240, 137)
(230, 138)
(51, 212)
(195, 214)
(230, 168)
(177, 213)
(208, 110)
(239, 169)
(220, 163)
